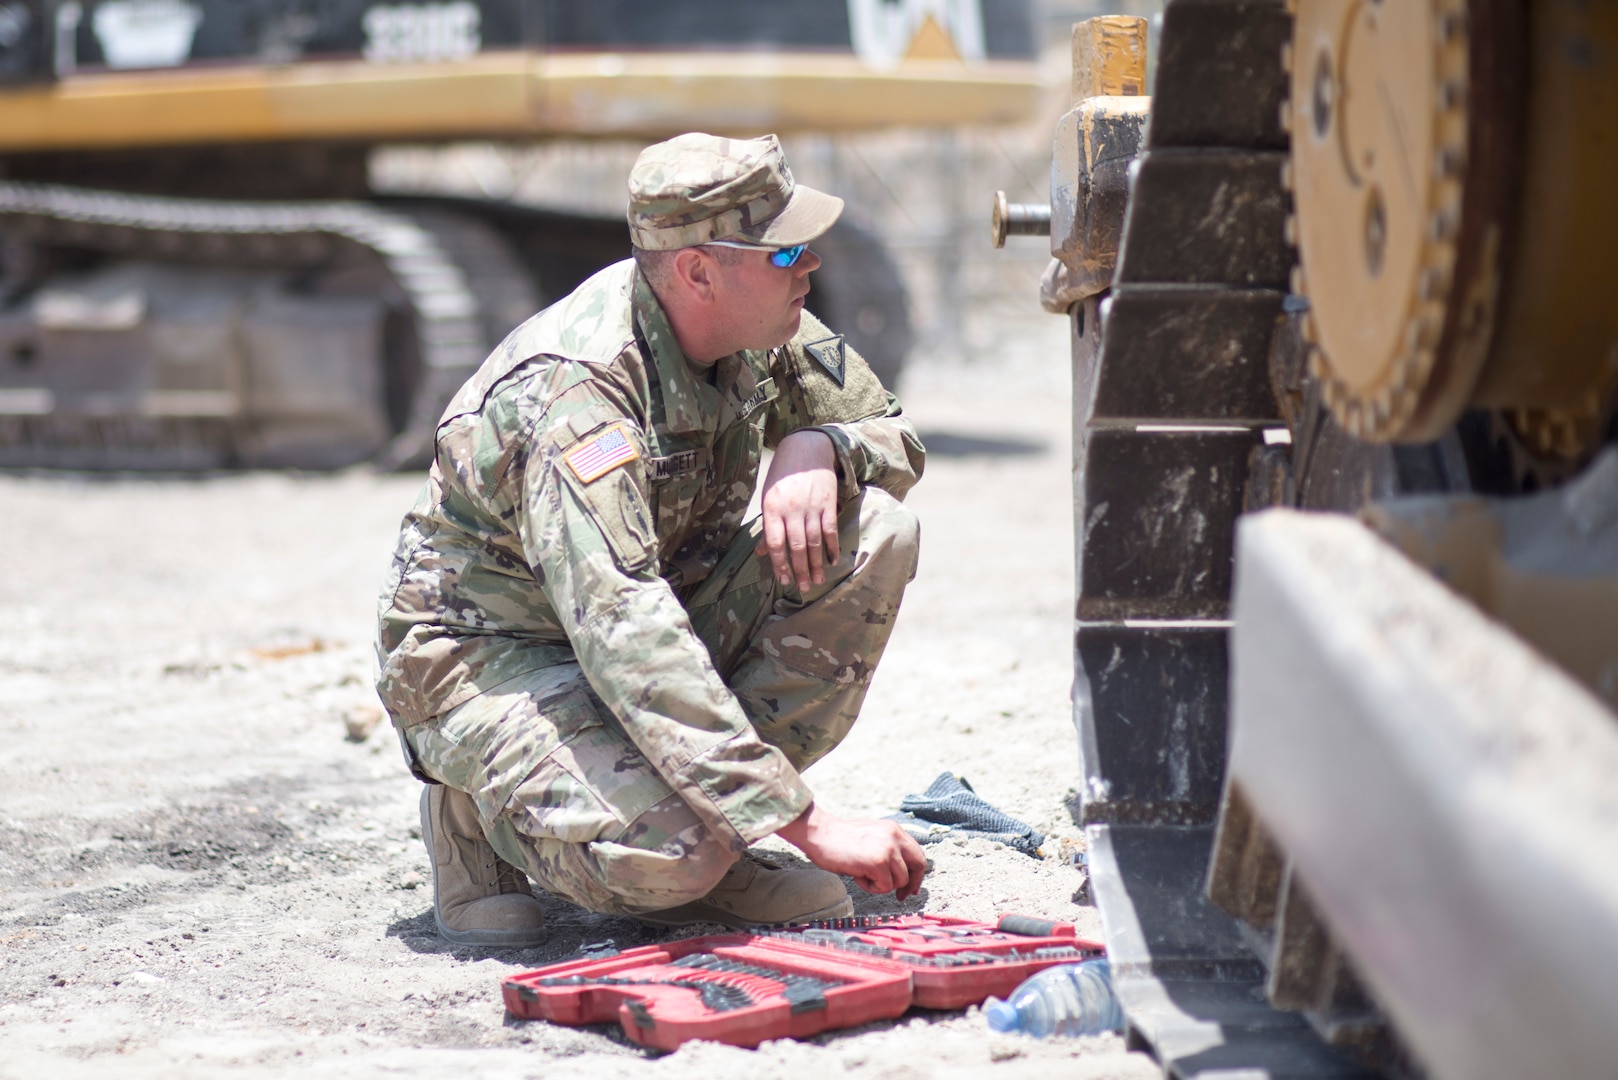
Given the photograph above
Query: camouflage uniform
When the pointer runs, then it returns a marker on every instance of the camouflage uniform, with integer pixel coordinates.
(600, 659)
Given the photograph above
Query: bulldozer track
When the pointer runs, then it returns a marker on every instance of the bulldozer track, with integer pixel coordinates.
(1201, 396)
(1162, 474)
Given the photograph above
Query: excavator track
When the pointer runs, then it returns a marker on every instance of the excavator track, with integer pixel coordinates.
(446, 284)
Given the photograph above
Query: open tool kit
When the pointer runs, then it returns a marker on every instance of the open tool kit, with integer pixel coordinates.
(795, 980)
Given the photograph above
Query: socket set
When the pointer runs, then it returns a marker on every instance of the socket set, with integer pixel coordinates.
(953, 962)
(795, 980)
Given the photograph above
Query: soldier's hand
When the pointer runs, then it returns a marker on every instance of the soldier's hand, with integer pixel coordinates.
(879, 855)
(800, 509)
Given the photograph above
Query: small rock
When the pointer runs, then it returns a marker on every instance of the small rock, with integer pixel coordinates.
(1004, 1052)
(297, 648)
(361, 721)
(412, 880)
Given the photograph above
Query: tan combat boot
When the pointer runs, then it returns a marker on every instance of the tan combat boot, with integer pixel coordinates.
(757, 892)
(478, 898)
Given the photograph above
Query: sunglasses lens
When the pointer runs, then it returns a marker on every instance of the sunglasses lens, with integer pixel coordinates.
(788, 256)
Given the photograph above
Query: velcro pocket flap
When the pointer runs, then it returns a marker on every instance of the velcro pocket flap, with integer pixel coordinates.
(619, 509)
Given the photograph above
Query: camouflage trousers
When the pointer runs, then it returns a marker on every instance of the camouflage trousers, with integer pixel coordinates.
(562, 791)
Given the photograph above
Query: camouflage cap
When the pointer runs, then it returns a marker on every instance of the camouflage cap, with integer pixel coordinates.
(696, 188)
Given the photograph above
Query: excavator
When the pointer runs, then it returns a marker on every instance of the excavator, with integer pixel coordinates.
(1345, 368)
(195, 272)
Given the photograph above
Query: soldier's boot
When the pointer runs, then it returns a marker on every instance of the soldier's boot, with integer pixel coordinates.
(478, 898)
(757, 892)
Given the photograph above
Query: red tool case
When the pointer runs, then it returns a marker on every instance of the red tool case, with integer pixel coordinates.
(799, 980)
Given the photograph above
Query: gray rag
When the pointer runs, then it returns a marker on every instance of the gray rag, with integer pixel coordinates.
(949, 805)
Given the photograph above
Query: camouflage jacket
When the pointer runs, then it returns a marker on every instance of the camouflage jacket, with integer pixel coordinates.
(516, 558)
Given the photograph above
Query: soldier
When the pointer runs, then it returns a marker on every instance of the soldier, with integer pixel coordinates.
(609, 680)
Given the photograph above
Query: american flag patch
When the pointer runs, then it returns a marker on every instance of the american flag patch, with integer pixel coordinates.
(602, 454)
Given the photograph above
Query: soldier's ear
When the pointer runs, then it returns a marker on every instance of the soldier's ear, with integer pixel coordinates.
(694, 272)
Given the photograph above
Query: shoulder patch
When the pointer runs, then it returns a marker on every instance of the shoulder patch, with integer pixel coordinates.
(596, 457)
(828, 353)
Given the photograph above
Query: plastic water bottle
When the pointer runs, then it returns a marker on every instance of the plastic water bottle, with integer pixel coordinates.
(1074, 999)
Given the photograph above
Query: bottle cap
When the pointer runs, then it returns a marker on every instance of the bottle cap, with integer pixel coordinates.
(1002, 1015)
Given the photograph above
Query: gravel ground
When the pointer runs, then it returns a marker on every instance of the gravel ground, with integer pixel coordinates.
(205, 873)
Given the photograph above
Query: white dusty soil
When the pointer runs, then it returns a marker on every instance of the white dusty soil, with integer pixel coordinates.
(203, 876)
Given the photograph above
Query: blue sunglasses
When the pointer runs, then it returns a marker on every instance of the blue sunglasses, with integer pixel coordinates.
(782, 257)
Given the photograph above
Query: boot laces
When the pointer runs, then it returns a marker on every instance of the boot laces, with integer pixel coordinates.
(744, 870)
(763, 862)
(507, 878)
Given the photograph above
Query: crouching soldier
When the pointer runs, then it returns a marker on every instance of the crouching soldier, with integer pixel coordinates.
(611, 682)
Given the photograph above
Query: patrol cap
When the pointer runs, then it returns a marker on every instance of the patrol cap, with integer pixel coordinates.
(696, 188)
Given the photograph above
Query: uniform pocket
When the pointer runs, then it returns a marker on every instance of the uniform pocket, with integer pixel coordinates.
(673, 500)
(591, 787)
(616, 506)
(488, 745)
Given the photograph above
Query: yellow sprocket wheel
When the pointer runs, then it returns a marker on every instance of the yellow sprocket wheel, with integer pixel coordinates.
(1378, 116)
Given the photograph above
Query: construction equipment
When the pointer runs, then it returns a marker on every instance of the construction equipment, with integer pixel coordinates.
(1362, 270)
(193, 272)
